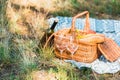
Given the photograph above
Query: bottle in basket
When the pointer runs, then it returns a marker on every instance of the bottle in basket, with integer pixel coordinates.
(48, 32)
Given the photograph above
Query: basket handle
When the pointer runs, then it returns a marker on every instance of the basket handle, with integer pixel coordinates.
(48, 40)
(87, 23)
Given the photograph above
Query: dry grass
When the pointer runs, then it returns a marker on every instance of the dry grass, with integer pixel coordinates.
(49, 6)
(24, 21)
(43, 75)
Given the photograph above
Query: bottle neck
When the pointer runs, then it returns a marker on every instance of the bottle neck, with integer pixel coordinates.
(54, 24)
(50, 31)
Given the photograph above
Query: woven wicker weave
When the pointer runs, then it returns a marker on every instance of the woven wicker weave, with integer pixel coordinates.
(110, 49)
(85, 39)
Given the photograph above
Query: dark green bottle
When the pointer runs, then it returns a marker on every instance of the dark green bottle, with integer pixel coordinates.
(48, 32)
(51, 29)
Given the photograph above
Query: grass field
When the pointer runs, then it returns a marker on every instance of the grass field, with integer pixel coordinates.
(22, 24)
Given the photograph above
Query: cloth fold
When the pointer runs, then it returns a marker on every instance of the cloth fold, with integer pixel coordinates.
(99, 66)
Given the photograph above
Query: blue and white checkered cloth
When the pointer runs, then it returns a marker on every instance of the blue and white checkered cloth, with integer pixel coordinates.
(111, 29)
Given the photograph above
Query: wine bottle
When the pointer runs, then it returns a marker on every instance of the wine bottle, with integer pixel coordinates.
(48, 32)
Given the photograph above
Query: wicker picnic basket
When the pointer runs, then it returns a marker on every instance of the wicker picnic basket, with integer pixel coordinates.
(81, 43)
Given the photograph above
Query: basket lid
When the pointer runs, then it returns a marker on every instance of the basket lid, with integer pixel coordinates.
(109, 49)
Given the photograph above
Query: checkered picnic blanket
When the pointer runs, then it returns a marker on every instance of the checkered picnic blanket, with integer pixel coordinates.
(111, 29)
